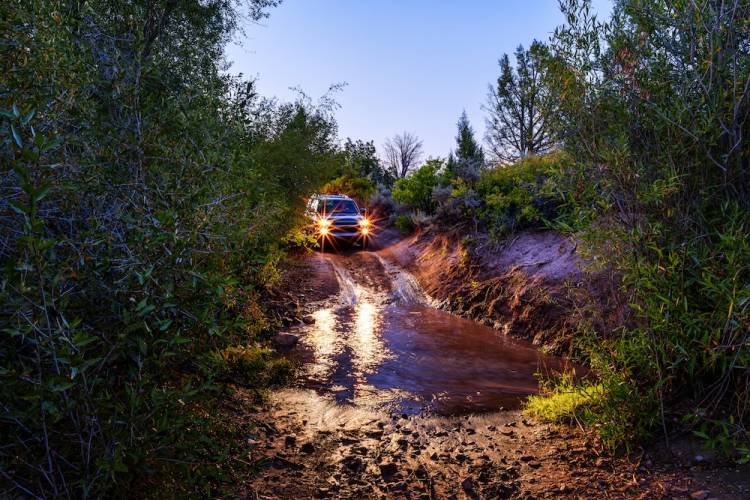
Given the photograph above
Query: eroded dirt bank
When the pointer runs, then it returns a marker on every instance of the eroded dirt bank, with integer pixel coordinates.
(356, 425)
(531, 286)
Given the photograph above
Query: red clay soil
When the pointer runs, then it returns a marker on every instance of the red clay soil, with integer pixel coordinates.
(532, 286)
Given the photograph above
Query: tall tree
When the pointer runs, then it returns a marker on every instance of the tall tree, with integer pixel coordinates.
(402, 154)
(361, 159)
(468, 160)
(517, 108)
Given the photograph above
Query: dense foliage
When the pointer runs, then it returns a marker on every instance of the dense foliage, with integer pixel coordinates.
(143, 193)
(415, 190)
(654, 105)
(527, 194)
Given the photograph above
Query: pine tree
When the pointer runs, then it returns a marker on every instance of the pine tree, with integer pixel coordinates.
(518, 107)
(468, 160)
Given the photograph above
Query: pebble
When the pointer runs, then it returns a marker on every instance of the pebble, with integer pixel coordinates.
(285, 340)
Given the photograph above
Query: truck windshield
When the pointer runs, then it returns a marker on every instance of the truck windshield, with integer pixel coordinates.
(337, 206)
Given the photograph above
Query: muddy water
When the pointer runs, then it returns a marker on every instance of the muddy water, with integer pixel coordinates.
(380, 345)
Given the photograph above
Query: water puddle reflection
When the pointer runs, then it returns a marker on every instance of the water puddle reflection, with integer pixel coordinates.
(392, 352)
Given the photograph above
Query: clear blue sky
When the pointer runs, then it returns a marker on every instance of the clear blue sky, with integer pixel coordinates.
(410, 65)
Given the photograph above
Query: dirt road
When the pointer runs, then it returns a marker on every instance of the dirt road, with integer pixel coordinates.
(395, 398)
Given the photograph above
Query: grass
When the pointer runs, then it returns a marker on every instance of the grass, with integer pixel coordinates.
(564, 401)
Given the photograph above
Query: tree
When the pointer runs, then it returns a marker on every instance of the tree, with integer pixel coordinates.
(402, 153)
(416, 189)
(517, 124)
(361, 159)
(468, 160)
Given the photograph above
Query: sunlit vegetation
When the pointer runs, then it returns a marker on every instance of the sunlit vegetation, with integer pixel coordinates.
(566, 402)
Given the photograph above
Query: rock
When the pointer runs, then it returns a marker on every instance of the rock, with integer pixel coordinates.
(285, 340)
(308, 448)
(278, 462)
(309, 319)
(353, 463)
(468, 485)
(399, 487)
(700, 494)
(388, 470)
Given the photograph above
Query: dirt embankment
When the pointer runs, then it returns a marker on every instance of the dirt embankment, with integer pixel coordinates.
(534, 285)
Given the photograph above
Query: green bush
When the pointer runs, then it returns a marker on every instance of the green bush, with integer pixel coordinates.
(403, 223)
(144, 195)
(415, 190)
(527, 194)
(359, 188)
(643, 106)
(252, 365)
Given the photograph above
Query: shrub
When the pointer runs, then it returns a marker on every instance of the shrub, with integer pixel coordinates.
(415, 190)
(359, 188)
(565, 401)
(526, 194)
(139, 222)
(403, 223)
(253, 366)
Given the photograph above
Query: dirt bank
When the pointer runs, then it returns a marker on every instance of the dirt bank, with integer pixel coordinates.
(533, 285)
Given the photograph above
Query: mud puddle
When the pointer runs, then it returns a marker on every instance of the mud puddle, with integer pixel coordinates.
(380, 345)
(396, 399)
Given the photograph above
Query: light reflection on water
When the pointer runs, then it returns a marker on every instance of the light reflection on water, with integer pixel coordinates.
(374, 350)
(322, 338)
(369, 350)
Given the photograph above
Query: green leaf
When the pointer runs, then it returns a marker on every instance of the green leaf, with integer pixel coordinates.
(16, 135)
(26, 119)
(41, 193)
(16, 113)
(18, 208)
